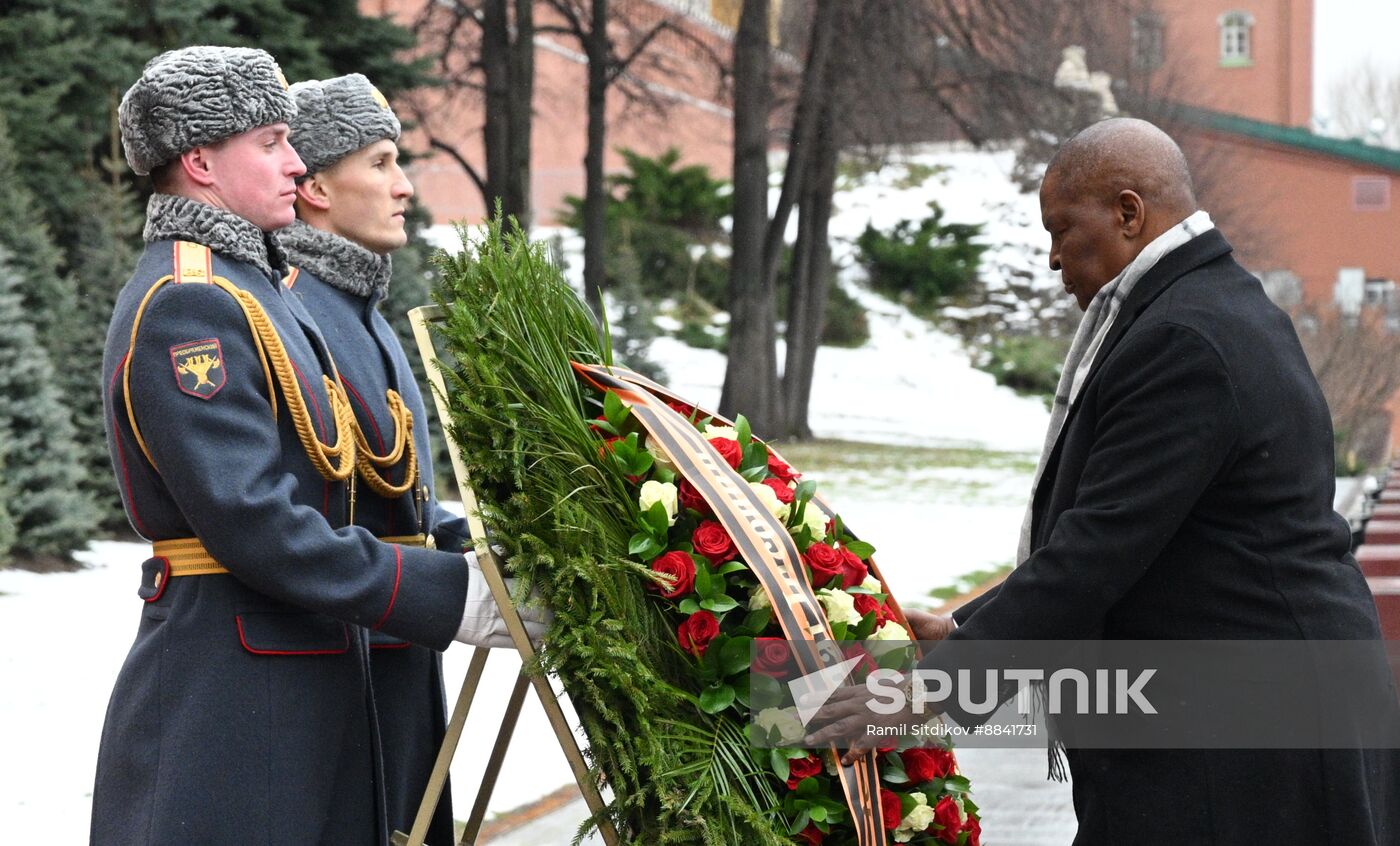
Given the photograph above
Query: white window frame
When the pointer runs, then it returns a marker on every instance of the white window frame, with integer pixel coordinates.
(1236, 38)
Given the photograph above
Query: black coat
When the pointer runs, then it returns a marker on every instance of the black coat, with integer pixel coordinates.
(1189, 496)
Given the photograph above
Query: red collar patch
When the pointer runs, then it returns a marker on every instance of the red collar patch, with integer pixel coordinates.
(199, 367)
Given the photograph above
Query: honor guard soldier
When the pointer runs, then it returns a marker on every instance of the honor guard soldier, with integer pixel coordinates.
(350, 208)
(244, 711)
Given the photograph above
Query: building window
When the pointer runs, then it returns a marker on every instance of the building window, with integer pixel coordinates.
(1147, 41)
(1236, 49)
(1370, 193)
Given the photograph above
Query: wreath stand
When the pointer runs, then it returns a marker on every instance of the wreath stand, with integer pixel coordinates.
(422, 318)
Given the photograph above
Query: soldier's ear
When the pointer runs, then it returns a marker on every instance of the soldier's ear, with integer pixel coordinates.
(195, 165)
(312, 191)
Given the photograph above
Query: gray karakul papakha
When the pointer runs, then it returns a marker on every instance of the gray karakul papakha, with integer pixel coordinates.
(194, 96)
(336, 117)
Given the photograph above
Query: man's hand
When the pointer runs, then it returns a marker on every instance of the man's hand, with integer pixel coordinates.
(848, 721)
(928, 626)
(482, 623)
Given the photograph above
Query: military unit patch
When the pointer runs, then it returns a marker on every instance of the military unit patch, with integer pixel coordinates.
(199, 367)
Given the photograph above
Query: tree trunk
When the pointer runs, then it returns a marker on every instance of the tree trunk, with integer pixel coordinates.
(522, 94)
(809, 102)
(595, 197)
(811, 277)
(751, 375)
(495, 56)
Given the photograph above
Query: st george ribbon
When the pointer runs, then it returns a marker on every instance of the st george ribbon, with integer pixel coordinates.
(766, 547)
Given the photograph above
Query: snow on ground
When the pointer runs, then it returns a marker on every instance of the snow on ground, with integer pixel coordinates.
(65, 635)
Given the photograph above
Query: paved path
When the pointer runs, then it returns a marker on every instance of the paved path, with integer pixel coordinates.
(1020, 806)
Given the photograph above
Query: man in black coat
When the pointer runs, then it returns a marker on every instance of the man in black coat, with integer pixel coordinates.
(1185, 493)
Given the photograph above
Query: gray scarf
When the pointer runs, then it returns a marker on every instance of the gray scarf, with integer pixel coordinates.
(1093, 329)
(335, 260)
(173, 218)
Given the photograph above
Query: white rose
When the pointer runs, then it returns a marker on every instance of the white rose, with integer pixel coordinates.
(872, 584)
(662, 492)
(660, 457)
(722, 432)
(840, 607)
(814, 519)
(890, 630)
(770, 500)
(784, 721)
(916, 821)
(759, 599)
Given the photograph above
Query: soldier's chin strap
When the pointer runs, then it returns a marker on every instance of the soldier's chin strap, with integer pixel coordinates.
(335, 462)
(369, 464)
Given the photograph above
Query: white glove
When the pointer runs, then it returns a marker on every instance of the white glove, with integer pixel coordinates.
(482, 623)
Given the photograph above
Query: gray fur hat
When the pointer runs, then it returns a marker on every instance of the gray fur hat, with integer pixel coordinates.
(336, 117)
(199, 95)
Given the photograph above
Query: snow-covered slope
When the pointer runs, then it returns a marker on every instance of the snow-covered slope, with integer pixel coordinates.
(912, 383)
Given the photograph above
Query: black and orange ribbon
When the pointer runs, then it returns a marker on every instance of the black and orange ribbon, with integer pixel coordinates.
(661, 391)
(766, 547)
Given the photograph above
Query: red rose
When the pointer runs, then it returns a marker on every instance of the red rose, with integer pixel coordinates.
(772, 657)
(691, 498)
(947, 814)
(890, 809)
(697, 631)
(712, 541)
(867, 663)
(681, 408)
(729, 450)
(825, 562)
(853, 570)
(973, 827)
(865, 603)
(925, 765)
(800, 768)
(811, 835)
(593, 424)
(785, 494)
(678, 564)
(781, 469)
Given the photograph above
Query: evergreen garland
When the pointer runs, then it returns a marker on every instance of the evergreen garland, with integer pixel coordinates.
(677, 775)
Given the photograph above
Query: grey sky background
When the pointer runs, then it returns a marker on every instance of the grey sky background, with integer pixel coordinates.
(1348, 32)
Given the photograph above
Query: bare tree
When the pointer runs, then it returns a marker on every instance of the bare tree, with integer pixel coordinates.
(1357, 364)
(481, 51)
(1365, 104)
(874, 73)
(508, 62)
(616, 37)
(752, 314)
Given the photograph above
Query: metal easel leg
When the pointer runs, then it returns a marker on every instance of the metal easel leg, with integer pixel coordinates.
(450, 739)
(421, 318)
(493, 764)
